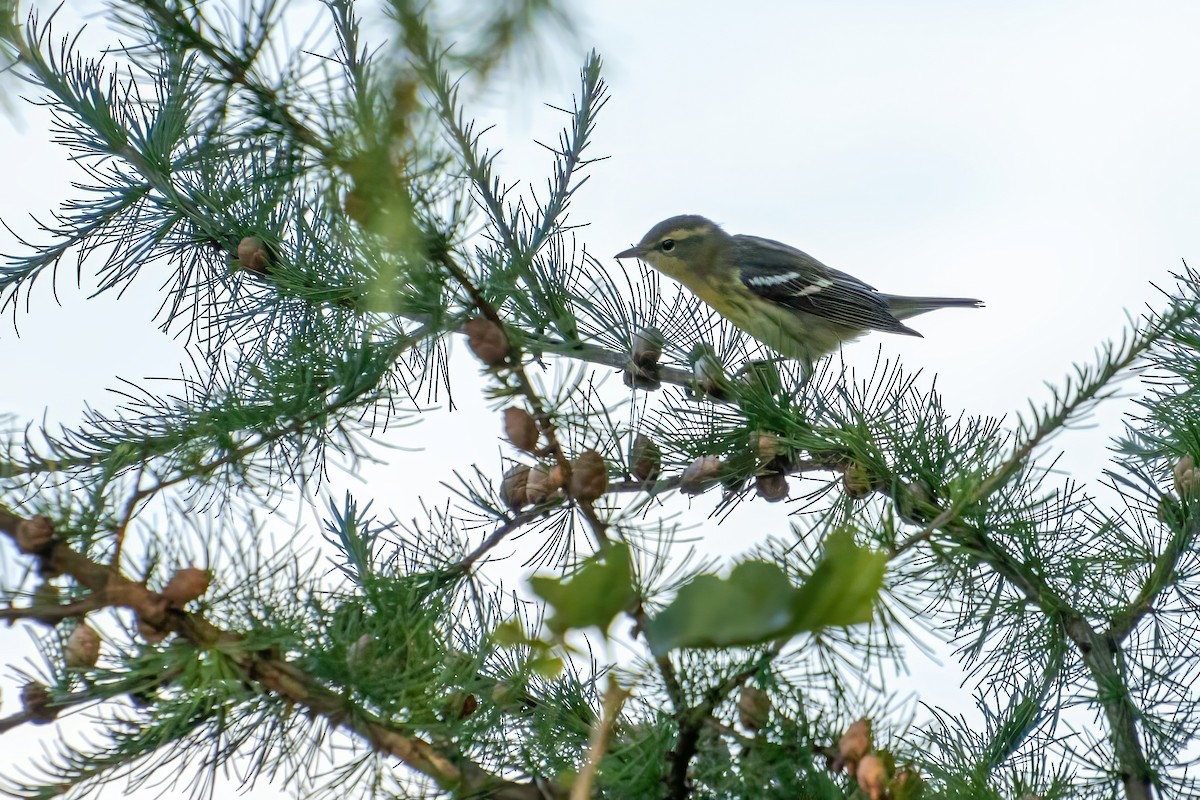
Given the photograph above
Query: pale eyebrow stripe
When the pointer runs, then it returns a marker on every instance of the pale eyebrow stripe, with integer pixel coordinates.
(683, 233)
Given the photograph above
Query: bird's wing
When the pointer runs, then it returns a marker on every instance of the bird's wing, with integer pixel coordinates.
(791, 277)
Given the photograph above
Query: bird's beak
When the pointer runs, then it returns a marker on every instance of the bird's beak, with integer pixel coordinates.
(633, 252)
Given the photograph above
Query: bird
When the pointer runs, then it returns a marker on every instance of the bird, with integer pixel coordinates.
(778, 294)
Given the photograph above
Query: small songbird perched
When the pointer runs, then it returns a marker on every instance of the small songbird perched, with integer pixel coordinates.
(781, 296)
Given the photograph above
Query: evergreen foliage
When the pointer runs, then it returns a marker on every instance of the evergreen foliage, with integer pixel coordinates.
(327, 217)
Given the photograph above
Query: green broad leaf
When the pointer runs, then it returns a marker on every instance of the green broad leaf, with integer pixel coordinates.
(757, 603)
(548, 667)
(599, 590)
(753, 605)
(843, 587)
(511, 633)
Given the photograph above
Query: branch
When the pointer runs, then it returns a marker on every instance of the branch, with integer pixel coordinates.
(47, 714)
(276, 675)
(167, 443)
(546, 425)
(236, 70)
(1100, 652)
(1089, 391)
(479, 170)
(56, 613)
(503, 531)
(692, 722)
(1161, 577)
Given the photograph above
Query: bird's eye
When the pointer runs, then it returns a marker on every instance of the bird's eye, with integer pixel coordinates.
(667, 245)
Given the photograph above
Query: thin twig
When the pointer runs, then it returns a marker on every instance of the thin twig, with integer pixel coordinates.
(56, 613)
(614, 698)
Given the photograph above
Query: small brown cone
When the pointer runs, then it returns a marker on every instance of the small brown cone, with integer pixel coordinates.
(487, 341)
(708, 375)
(872, 776)
(1187, 478)
(765, 446)
(641, 371)
(916, 503)
(556, 478)
(754, 708)
(82, 649)
(589, 477)
(186, 585)
(35, 701)
(907, 784)
(701, 475)
(253, 255)
(463, 705)
(646, 458)
(35, 535)
(647, 347)
(504, 693)
(512, 488)
(356, 653)
(151, 633)
(47, 598)
(856, 480)
(537, 488)
(358, 207)
(521, 429)
(636, 377)
(772, 487)
(854, 744)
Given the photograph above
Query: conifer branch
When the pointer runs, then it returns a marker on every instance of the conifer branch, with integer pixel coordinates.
(182, 187)
(548, 429)
(110, 588)
(1157, 581)
(1091, 386)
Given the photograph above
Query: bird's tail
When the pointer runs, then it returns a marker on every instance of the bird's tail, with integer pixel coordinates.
(904, 307)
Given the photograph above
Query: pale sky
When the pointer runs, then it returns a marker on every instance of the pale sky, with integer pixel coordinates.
(1039, 155)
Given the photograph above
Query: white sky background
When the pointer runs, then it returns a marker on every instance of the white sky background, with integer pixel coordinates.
(1040, 156)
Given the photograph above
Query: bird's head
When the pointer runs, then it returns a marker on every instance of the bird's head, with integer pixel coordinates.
(681, 247)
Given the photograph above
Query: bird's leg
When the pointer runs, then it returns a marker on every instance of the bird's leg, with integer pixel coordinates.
(763, 373)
